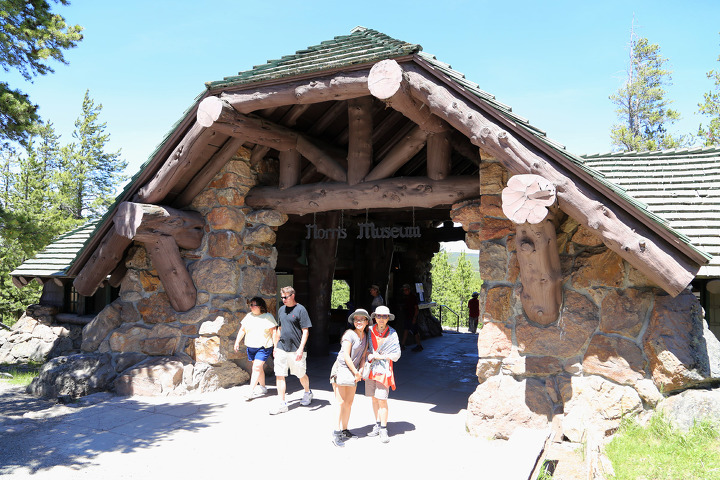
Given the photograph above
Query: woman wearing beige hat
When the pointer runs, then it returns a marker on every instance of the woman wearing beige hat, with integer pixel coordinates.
(383, 350)
(346, 372)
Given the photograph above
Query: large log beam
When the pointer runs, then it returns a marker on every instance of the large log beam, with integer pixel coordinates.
(102, 263)
(399, 155)
(360, 128)
(208, 172)
(420, 192)
(219, 115)
(165, 256)
(341, 86)
(139, 221)
(182, 160)
(655, 259)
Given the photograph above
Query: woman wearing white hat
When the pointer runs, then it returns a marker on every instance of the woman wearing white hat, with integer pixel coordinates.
(383, 350)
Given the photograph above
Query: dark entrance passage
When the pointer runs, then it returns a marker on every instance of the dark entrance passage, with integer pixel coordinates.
(387, 248)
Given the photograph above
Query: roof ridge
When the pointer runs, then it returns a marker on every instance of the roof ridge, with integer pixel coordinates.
(383, 45)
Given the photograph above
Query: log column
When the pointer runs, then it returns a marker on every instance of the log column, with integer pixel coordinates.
(321, 270)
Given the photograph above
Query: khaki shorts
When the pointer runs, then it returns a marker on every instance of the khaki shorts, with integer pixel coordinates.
(341, 375)
(285, 361)
(376, 389)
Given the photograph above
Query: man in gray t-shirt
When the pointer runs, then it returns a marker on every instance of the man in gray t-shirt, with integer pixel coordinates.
(289, 352)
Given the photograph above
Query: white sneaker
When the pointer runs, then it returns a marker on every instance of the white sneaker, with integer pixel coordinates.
(281, 408)
(307, 398)
(384, 438)
(259, 391)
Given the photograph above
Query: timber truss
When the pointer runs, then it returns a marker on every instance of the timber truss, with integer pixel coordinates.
(393, 134)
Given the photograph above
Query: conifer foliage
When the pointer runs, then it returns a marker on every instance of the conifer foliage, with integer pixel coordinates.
(711, 108)
(643, 109)
(31, 38)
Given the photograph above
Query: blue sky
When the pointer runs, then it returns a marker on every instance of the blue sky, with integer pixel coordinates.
(554, 62)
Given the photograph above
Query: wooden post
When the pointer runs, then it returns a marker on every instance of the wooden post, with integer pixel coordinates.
(321, 269)
(289, 169)
(360, 139)
(439, 155)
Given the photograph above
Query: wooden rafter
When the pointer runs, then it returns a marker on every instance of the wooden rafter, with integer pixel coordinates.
(219, 115)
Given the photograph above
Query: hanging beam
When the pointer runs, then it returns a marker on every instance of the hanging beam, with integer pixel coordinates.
(404, 192)
(439, 155)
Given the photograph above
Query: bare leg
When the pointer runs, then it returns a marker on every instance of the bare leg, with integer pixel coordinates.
(304, 381)
(280, 382)
(257, 372)
(380, 408)
(344, 396)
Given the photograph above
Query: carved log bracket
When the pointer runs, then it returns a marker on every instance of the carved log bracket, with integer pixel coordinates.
(525, 202)
(163, 231)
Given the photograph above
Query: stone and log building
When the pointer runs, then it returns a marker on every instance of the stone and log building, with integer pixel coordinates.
(272, 176)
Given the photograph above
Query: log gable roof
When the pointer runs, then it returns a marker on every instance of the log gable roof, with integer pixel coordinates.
(319, 124)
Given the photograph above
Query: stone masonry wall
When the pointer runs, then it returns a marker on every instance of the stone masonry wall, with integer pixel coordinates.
(194, 349)
(618, 345)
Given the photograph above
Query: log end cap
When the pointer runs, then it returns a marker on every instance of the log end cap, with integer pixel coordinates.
(384, 79)
(209, 111)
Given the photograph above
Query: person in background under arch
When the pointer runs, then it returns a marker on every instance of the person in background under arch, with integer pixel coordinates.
(473, 312)
(383, 350)
(410, 317)
(258, 328)
(377, 298)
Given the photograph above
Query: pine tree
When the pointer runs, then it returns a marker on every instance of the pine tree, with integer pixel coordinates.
(90, 175)
(453, 286)
(711, 108)
(642, 107)
(31, 36)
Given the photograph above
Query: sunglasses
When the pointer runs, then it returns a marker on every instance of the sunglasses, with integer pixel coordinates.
(382, 316)
(360, 319)
(285, 297)
(254, 305)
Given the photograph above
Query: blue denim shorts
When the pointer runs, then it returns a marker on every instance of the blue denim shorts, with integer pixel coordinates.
(261, 353)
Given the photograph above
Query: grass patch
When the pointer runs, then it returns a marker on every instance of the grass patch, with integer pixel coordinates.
(19, 377)
(658, 451)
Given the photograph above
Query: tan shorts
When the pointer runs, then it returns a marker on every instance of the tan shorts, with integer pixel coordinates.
(285, 361)
(341, 375)
(376, 389)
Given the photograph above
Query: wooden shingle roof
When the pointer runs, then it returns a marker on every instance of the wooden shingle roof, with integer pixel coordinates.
(681, 186)
(57, 257)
